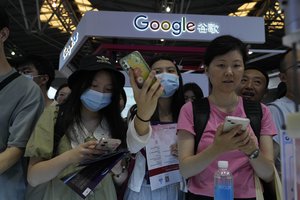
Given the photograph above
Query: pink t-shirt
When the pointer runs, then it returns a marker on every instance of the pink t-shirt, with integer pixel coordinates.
(239, 164)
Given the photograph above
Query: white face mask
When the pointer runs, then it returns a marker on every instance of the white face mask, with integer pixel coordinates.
(30, 76)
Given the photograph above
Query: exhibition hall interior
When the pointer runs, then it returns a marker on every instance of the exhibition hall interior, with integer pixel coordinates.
(102, 33)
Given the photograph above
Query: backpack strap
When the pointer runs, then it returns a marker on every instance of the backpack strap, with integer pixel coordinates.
(253, 111)
(283, 126)
(8, 79)
(201, 111)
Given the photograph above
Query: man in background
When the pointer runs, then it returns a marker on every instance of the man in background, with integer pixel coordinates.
(280, 108)
(254, 84)
(21, 104)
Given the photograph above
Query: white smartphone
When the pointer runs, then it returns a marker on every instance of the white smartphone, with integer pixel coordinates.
(232, 121)
(108, 144)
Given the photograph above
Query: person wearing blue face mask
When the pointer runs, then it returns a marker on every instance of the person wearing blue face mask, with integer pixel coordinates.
(94, 100)
(90, 113)
(170, 82)
(153, 121)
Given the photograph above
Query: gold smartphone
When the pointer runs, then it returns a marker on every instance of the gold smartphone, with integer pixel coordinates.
(136, 62)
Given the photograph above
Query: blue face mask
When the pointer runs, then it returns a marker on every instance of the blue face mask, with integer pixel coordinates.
(170, 82)
(94, 100)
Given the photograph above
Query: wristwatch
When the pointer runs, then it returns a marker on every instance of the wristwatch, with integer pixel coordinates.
(254, 154)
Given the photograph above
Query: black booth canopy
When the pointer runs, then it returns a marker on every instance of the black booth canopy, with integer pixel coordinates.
(44, 27)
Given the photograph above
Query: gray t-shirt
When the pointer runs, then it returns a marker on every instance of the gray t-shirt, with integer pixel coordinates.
(21, 104)
(286, 107)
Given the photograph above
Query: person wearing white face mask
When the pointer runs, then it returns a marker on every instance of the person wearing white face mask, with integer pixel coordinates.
(91, 112)
(41, 71)
(158, 106)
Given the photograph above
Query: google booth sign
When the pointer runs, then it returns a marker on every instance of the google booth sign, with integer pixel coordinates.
(142, 23)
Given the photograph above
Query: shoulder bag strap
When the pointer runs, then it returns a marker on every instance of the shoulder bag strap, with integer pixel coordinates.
(9, 79)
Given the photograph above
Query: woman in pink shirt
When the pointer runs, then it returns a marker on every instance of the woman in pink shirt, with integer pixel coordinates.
(224, 64)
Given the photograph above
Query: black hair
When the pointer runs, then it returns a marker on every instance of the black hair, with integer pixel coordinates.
(195, 88)
(281, 90)
(72, 107)
(42, 65)
(59, 88)
(261, 71)
(222, 45)
(4, 19)
(178, 98)
(123, 94)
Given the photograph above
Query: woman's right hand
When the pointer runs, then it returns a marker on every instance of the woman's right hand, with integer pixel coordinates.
(84, 151)
(146, 97)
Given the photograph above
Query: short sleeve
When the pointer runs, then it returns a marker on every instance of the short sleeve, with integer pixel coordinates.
(267, 124)
(25, 116)
(41, 141)
(186, 118)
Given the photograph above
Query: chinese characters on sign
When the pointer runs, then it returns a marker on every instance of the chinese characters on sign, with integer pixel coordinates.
(211, 28)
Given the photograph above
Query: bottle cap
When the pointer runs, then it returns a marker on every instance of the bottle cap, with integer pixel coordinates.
(223, 164)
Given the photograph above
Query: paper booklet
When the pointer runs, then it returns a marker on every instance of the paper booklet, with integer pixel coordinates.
(162, 165)
(86, 179)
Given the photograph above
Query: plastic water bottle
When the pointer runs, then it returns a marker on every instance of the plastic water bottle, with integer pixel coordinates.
(223, 182)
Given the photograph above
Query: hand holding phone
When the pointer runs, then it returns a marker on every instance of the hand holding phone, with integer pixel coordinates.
(136, 62)
(232, 121)
(108, 144)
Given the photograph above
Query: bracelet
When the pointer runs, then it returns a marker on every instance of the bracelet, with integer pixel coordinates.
(142, 119)
(118, 175)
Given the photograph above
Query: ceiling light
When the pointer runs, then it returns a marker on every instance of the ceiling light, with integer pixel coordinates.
(244, 9)
(168, 9)
(46, 14)
(13, 53)
(250, 52)
(162, 40)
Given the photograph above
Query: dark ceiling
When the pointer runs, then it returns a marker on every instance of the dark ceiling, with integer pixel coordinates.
(28, 36)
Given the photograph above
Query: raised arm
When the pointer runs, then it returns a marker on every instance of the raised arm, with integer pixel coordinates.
(146, 100)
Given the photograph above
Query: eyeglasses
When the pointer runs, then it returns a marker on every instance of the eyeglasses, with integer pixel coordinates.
(297, 65)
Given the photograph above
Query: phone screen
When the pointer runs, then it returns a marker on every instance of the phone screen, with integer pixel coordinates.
(108, 144)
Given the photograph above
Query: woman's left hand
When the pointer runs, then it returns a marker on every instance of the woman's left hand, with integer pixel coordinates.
(248, 143)
(174, 149)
